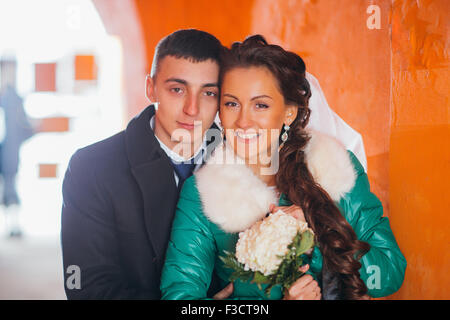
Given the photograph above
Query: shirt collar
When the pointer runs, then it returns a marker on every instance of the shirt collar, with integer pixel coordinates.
(170, 153)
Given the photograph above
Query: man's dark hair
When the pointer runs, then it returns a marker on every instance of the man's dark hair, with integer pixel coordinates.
(191, 44)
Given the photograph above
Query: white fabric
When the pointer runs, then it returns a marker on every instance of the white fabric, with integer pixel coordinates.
(325, 120)
(173, 155)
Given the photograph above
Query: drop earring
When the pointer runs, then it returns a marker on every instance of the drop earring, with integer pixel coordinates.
(285, 135)
(286, 127)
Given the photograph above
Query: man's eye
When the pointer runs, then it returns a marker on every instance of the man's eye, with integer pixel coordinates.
(176, 90)
(210, 94)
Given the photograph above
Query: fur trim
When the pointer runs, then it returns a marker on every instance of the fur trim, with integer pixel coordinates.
(330, 164)
(234, 198)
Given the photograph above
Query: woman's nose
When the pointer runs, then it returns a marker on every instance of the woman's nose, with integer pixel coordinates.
(244, 120)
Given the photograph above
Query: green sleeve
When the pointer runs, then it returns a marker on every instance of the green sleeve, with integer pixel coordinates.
(191, 250)
(383, 267)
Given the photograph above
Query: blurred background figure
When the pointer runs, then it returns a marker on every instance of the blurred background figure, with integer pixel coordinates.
(16, 129)
(61, 89)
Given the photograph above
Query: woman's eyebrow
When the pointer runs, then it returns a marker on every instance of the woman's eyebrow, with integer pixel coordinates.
(230, 95)
(261, 96)
(254, 98)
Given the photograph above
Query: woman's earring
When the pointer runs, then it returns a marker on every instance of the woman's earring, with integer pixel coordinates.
(285, 136)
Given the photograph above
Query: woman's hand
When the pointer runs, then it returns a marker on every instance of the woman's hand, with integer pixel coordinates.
(293, 210)
(305, 288)
(225, 292)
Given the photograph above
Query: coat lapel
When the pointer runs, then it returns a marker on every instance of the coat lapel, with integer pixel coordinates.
(153, 172)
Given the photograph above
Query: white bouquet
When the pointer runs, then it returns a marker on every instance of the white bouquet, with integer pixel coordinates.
(269, 252)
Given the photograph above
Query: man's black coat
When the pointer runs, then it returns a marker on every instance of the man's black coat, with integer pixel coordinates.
(119, 197)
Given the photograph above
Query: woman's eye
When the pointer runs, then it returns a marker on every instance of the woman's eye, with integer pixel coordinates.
(230, 104)
(261, 106)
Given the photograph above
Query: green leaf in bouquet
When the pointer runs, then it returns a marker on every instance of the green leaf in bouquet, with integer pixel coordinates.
(306, 243)
(243, 276)
(288, 271)
(259, 278)
(239, 272)
(230, 261)
(296, 241)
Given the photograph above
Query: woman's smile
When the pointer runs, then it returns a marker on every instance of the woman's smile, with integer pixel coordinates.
(247, 137)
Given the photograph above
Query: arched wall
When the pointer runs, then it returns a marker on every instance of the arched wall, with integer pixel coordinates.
(121, 18)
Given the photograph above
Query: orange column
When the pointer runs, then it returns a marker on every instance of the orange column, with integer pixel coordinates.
(419, 145)
(351, 62)
(228, 20)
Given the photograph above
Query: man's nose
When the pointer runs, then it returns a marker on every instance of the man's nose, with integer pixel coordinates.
(191, 105)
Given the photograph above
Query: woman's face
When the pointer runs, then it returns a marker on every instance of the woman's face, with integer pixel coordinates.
(252, 112)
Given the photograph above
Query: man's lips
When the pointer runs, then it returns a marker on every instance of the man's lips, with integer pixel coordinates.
(188, 126)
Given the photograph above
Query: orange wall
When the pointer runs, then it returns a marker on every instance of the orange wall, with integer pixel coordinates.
(227, 20)
(350, 61)
(391, 84)
(332, 37)
(420, 145)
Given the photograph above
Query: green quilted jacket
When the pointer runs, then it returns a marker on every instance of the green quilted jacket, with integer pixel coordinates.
(220, 200)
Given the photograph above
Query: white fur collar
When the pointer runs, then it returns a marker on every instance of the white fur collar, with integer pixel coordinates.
(234, 198)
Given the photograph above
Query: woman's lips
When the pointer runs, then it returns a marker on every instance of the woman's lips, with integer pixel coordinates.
(247, 137)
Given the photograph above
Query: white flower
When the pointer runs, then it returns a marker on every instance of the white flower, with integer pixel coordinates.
(263, 246)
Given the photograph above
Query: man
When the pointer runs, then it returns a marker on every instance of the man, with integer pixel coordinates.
(120, 194)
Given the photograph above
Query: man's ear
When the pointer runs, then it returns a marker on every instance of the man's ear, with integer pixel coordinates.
(290, 114)
(150, 89)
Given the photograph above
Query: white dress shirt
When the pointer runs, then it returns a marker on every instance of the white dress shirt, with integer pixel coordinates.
(175, 156)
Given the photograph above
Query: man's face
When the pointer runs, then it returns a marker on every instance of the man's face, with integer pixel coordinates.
(187, 92)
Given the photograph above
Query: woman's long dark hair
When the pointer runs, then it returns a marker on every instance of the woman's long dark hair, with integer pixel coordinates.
(341, 250)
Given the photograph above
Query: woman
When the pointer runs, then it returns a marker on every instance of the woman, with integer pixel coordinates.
(264, 100)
